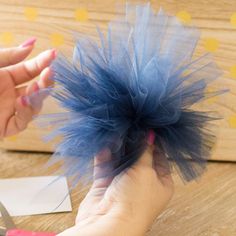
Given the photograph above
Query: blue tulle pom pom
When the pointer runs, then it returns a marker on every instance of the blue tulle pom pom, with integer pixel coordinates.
(141, 76)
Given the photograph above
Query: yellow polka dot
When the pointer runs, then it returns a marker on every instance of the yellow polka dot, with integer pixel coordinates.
(213, 99)
(184, 17)
(232, 121)
(31, 13)
(211, 44)
(209, 90)
(233, 71)
(12, 138)
(7, 38)
(81, 14)
(57, 39)
(233, 19)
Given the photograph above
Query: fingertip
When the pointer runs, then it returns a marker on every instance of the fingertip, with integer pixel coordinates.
(147, 157)
(35, 87)
(54, 53)
(26, 47)
(43, 60)
(28, 43)
(50, 53)
(23, 101)
(32, 88)
(36, 94)
(151, 137)
(22, 116)
(25, 50)
(162, 167)
(45, 78)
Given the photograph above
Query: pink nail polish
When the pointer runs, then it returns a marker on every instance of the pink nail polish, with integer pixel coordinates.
(24, 101)
(151, 137)
(28, 42)
(49, 75)
(50, 72)
(36, 87)
(54, 53)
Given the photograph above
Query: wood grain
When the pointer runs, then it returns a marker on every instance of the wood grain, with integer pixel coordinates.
(203, 208)
(58, 17)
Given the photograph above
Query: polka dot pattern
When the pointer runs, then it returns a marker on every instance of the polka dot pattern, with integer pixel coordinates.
(211, 100)
(211, 44)
(12, 138)
(57, 39)
(7, 38)
(81, 14)
(233, 71)
(30, 13)
(232, 121)
(184, 17)
(233, 19)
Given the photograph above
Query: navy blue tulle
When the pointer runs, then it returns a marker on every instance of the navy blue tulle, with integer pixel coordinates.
(140, 76)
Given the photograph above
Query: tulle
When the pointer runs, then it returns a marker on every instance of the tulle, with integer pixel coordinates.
(140, 76)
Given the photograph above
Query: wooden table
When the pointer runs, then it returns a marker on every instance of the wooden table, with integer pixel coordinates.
(206, 208)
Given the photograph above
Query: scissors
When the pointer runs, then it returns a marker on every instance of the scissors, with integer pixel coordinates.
(11, 229)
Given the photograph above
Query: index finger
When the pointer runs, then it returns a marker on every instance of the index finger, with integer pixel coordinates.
(26, 71)
(11, 56)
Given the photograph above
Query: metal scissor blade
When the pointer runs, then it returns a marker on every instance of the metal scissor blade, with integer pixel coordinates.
(6, 217)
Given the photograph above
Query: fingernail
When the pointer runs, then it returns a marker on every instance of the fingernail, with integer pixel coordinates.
(54, 53)
(24, 101)
(36, 87)
(151, 137)
(50, 72)
(28, 42)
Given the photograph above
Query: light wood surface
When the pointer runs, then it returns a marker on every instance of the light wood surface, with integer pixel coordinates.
(53, 22)
(205, 208)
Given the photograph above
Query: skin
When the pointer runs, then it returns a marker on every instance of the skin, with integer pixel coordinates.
(126, 204)
(15, 114)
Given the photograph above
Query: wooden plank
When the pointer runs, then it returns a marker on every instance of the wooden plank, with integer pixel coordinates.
(203, 208)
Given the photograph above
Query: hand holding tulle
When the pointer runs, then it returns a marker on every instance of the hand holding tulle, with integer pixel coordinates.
(15, 112)
(128, 203)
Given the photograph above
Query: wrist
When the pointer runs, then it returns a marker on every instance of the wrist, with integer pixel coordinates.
(104, 227)
(119, 221)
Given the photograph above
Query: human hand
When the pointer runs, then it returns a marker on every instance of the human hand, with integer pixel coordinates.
(15, 112)
(127, 204)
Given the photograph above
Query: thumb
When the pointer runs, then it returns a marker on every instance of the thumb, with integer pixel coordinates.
(147, 157)
(162, 167)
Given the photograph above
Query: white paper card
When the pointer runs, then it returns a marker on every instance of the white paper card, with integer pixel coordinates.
(35, 195)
